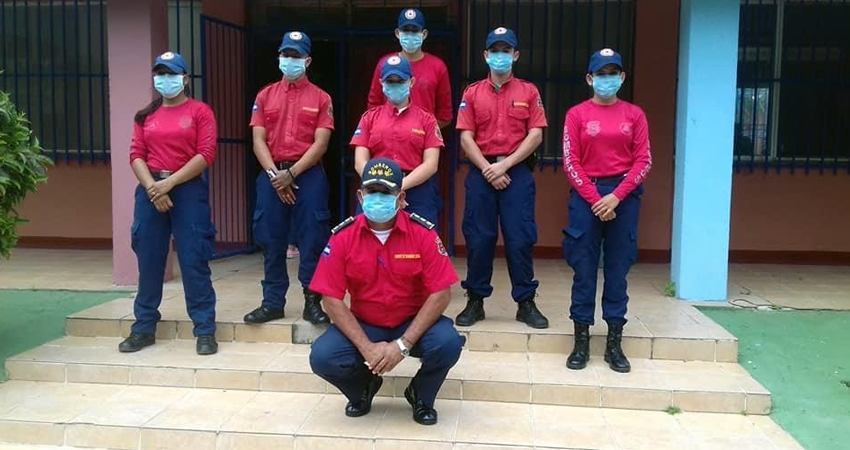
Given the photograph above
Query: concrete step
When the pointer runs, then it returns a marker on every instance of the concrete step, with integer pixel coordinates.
(144, 417)
(670, 331)
(539, 378)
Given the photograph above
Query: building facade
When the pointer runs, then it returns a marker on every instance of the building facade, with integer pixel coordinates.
(746, 101)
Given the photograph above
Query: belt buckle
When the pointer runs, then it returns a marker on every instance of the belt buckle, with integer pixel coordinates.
(163, 174)
(501, 158)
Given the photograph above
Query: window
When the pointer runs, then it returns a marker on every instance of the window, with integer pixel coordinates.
(556, 39)
(53, 57)
(793, 67)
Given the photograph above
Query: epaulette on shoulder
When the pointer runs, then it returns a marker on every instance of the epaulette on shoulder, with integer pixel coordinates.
(342, 225)
(422, 221)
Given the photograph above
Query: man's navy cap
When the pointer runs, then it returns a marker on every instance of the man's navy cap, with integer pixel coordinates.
(602, 58)
(384, 172)
(297, 41)
(396, 65)
(502, 34)
(173, 61)
(411, 16)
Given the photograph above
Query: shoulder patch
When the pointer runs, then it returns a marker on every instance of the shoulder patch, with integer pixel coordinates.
(422, 221)
(342, 225)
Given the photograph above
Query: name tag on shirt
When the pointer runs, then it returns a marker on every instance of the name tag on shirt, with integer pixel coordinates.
(522, 104)
(308, 109)
(408, 256)
(418, 131)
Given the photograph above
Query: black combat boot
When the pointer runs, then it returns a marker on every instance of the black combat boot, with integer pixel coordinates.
(614, 355)
(581, 349)
(473, 312)
(313, 312)
(528, 313)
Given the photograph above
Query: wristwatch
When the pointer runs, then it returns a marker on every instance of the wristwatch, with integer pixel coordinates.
(271, 173)
(404, 350)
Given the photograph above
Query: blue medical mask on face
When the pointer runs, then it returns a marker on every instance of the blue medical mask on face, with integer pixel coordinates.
(379, 207)
(169, 86)
(396, 93)
(292, 68)
(607, 85)
(500, 62)
(410, 41)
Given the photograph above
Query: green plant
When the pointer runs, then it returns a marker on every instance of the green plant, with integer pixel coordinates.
(22, 169)
(672, 410)
(670, 289)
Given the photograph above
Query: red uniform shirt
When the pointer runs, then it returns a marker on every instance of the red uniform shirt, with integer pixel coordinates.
(173, 135)
(388, 282)
(402, 137)
(501, 118)
(431, 90)
(606, 141)
(290, 113)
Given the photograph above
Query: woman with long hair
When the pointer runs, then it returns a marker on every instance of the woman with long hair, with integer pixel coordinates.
(174, 140)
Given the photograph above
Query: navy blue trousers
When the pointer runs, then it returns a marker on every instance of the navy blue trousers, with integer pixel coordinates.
(513, 209)
(334, 358)
(189, 222)
(309, 221)
(618, 239)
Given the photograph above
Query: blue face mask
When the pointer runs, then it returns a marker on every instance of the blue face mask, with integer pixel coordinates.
(292, 68)
(379, 207)
(607, 85)
(396, 93)
(169, 86)
(410, 41)
(499, 62)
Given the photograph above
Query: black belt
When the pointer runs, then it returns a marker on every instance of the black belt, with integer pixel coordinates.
(160, 175)
(283, 165)
(530, 161)
(608, 181)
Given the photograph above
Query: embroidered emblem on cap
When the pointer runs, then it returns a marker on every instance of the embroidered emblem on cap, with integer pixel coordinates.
(167, 55)
(606, 52)
(500, 30)
(296, 36)
(410, 14)
(394, 60)
(381, 170)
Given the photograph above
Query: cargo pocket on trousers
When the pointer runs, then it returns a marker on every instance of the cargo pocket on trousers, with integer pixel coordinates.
(134, 235)
(204, 241)
(572, 247)
(261, 237)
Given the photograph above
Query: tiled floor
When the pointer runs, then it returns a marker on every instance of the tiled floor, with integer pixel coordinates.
(539, 378)
(818, 287)
(139, 417)
(510, 390)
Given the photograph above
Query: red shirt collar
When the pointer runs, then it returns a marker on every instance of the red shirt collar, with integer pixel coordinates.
(402, 223)
(392, 109)
(490, 80)
(300, 83)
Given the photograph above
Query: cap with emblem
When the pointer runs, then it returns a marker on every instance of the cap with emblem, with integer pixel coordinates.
(384, 172)
(502, 34)
(296, 40)
(172, 61)
(396, 65)
(411, 16)
(602, 58)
